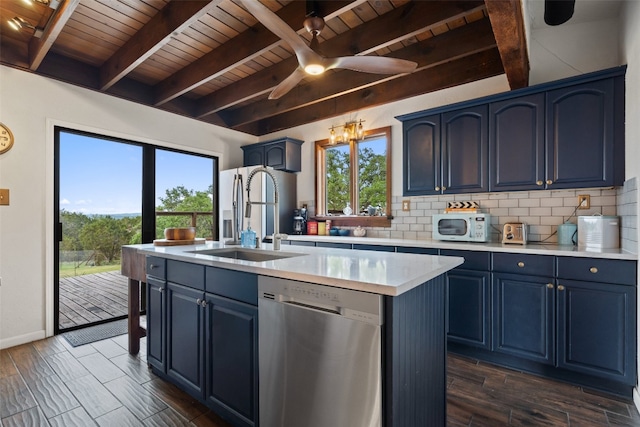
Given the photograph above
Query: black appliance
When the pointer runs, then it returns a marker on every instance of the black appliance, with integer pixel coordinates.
(299, 221)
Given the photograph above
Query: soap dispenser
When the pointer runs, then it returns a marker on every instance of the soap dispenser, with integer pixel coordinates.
(248, 238)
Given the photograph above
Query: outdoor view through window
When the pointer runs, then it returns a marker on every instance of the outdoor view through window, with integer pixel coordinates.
(100, 203)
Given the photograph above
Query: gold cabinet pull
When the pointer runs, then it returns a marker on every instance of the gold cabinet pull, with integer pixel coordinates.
(593, 270)
(550, 285)
(560, 288)
(437, 188)
(539, 183)
(444, 188)
(521, 264)
(549, 182)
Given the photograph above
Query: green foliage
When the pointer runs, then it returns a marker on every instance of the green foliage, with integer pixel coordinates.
(105, 235)
(337, 179)
(180, 199)
(372, 183)
(372, 175)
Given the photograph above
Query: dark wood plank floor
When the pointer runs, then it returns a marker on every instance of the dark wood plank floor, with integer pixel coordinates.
(92, 298)
(50, 383)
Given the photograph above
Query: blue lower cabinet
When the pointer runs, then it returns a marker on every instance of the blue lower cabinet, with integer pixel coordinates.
(412, 250)
(523, 318)
(156, 323)
(597, 329)
(185, 338)
(379, 248)
(469, 313)
(232, 359)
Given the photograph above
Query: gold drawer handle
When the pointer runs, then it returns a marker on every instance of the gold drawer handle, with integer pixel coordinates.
(539, 183)
(560, 288)
(550, 285)
(549, 182)
(593, 270)
(521, 264)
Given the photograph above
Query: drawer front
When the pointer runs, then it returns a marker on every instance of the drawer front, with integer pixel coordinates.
(156, 267)
(412, 250)
(622, 272)
(236, 285)
(379, 248)
(472, 260)
(334, 245)
(532, 265)
(302, 243)
(185, 273)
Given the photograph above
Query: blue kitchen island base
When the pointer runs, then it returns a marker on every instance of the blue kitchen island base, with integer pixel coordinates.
(415, 354)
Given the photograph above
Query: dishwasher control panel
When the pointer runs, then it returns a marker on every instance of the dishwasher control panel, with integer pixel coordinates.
(356, 305)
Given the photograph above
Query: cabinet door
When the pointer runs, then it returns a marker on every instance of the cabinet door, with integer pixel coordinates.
(232, 358)
(580, 135)
(524, 316)
(597, 329)
(469, 302)
(421, 156)
(253, 156)
(465, 151)
(185, 337)
(516, 143)
(156, 323)
(275, 155)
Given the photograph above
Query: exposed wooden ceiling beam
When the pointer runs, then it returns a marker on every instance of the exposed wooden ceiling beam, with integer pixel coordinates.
(240, 49)
(39, 47)
(452, 45)
(468, 69)
(508, 28)
(174, 17)
(403, 22)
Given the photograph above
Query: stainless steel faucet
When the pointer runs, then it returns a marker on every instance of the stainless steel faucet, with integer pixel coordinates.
(277, 237)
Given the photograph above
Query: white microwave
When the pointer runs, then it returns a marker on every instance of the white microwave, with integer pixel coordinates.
(463, 227)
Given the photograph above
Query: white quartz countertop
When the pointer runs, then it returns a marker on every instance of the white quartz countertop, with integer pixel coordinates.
(530, 248)
(370, 271)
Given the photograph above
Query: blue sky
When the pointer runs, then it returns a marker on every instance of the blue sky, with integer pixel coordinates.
(104, 177)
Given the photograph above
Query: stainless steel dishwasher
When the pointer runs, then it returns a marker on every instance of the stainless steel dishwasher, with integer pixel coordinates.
(320, 355)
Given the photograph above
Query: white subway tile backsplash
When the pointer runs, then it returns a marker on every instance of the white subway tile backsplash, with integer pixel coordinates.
(543, 210)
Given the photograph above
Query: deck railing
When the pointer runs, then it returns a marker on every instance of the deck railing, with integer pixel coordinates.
(193, 215)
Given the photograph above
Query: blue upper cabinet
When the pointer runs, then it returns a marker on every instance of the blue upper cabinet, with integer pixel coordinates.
(280, 154)
(580, 135)
(564, 134)
(465, 165)
(516, 135)
(421, 141)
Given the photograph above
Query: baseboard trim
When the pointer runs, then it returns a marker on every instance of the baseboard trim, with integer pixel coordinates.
(21, 339)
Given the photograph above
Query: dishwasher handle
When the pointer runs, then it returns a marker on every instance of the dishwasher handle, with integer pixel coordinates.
(335, 310)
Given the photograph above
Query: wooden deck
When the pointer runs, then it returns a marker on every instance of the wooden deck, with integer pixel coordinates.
(92, 298)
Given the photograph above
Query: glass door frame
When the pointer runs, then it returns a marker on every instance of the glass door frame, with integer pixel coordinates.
(148, 208)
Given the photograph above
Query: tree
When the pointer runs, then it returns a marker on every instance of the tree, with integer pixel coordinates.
(181, 199)
(105, 235)
(72, 225)
(337, 179)
(372, 183)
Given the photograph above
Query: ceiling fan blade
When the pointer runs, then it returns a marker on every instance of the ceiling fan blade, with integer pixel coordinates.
(287, 84)
(374, 64)
(276, 25)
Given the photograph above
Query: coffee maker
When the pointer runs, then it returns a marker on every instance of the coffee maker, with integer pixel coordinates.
(299, 221)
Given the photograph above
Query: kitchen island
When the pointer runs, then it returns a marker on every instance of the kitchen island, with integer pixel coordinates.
(202, 332)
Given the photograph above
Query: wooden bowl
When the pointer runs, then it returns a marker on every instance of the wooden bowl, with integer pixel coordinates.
(180, 233)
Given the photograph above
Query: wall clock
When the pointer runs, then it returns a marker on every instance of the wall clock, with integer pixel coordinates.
(6, 139)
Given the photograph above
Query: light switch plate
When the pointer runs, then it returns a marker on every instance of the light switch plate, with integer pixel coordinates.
(406, 205)
(4, 196)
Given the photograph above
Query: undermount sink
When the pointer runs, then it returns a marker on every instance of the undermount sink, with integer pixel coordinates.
(256, 255)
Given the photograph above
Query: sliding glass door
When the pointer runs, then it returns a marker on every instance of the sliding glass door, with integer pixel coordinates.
(110, 193)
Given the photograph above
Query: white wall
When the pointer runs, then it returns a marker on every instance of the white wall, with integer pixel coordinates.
(630, 54)
(30, 106)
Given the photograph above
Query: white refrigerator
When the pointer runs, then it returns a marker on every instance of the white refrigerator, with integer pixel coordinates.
(233, 197)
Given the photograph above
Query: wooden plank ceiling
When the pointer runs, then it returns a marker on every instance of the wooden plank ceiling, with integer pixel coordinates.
(212, 60)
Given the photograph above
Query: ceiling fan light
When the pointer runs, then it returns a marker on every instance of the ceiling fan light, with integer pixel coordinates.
(314, 69)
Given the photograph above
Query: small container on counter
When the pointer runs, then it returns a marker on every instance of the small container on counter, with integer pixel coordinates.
(322, 228)
(328, 227)
(312, 227)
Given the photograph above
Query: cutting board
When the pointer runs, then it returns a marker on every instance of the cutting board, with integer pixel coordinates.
(167, 242)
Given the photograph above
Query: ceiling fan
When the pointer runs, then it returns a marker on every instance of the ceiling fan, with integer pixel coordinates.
(310, 60)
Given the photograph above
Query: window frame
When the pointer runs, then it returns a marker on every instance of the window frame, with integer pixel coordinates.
(320, 190)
